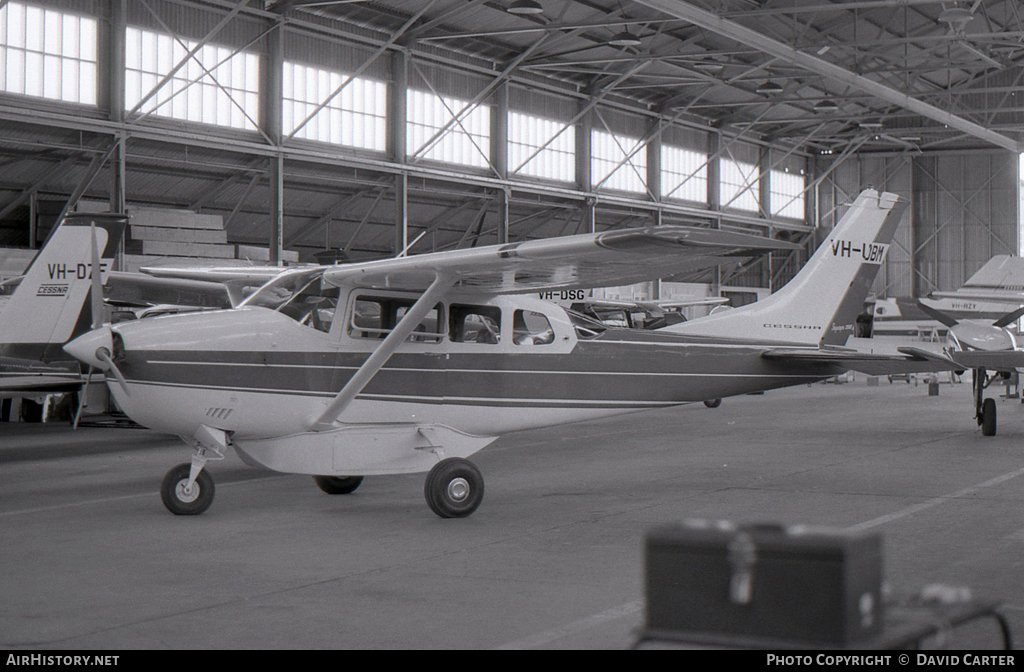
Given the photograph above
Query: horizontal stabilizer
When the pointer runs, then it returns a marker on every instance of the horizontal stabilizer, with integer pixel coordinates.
(922, 354)
(871, 363)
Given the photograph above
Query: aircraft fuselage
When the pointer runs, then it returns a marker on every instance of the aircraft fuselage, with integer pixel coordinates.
(257, 373)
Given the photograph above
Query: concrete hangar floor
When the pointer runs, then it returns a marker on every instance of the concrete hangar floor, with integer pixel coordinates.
(554, 557)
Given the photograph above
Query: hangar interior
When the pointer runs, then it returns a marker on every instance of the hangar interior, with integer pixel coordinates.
(291, 131)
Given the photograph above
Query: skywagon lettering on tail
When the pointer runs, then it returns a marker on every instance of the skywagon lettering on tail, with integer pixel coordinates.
(870, 253)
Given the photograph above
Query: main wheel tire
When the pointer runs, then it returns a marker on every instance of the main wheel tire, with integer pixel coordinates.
(182, 502)
(454, 488)
(713, 403)
(338, 485)
(988, 417)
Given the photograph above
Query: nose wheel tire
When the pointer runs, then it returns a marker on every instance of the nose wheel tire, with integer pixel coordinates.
(338, 485)
(182, 500)
(454, 488)
(988, 417)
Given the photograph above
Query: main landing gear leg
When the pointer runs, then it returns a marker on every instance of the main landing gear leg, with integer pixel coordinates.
(187, 490)
(984, 409)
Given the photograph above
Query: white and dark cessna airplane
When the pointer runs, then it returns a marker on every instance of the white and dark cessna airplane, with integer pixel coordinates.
(411, 365)
(53, 303)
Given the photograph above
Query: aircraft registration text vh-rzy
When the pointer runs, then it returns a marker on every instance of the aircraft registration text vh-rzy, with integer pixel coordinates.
(413, 364)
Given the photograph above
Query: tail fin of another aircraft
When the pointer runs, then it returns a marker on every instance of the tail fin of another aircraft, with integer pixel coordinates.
(51, 304)
(820, 305)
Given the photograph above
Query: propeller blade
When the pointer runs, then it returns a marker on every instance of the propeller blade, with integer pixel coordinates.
(937, 315)
(104, 356)
(83, 395)
(97, 282)
(1009, 318)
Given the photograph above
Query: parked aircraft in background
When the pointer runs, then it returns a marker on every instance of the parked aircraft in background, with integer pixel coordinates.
(413, 364)
(53, 303)
(1000, 280)
(642, 313)
(973, 326)
(983, 346)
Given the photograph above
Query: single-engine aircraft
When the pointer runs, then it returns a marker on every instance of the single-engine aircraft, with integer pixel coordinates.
(53, 303)
(411, 365)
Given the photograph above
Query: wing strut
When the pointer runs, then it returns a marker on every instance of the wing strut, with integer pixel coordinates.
(442, 283)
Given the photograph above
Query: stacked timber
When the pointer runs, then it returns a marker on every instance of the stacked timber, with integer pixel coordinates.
(172, 234)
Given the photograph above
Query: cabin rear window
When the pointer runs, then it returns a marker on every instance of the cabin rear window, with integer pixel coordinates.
(376, 317)
(474, 324)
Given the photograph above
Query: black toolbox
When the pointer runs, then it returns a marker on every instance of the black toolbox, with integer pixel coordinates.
(709, 580)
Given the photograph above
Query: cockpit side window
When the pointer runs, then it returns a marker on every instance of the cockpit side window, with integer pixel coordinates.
(530, 328)
(474, 324)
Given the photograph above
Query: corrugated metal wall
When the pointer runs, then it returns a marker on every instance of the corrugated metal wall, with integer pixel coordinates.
(963, 211)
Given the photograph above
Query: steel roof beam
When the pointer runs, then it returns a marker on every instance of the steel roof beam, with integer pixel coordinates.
(734, 31)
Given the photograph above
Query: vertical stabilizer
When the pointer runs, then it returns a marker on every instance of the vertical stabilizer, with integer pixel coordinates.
(820, 305)
(50, 306)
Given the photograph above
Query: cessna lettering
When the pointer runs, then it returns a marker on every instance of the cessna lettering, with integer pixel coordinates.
(872, 253)
(768, 325)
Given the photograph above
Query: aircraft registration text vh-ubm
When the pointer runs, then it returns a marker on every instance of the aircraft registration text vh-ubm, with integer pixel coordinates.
(871, 253)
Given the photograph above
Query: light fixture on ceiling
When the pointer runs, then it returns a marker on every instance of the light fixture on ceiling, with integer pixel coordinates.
(826, 105)
(956, 15)
(525, 7)
(624, 39)
(708, 65)
(769, 87)
(870, 124)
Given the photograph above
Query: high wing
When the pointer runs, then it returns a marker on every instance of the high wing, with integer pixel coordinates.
(196, 286)
(253, 274)
(573, 262)
(138, 289)
(654, 305)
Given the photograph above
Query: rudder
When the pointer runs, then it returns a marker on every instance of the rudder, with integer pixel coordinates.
(819, 306)
(50, 306)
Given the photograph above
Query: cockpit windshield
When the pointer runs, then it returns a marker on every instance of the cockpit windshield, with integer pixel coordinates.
(301, 296)
(586, 327)
(282, 289)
